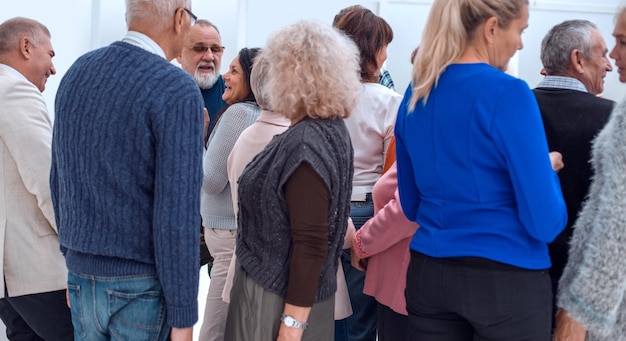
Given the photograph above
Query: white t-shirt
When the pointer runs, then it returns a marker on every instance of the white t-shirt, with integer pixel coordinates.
(371, 126)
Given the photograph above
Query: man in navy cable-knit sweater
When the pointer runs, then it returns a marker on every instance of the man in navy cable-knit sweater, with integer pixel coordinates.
(125, 179)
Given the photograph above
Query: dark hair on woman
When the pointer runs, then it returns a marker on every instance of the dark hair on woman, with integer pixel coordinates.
(370, 33)
(246, 60)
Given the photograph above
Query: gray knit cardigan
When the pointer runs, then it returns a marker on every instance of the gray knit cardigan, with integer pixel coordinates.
(593, 286)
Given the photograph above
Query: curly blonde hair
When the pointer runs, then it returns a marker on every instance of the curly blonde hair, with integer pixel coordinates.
(313, 71)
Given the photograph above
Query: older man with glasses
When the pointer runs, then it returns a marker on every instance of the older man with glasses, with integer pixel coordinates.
(125, 179)
(201, 57)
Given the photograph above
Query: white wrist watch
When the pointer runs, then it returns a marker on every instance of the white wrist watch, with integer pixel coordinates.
(292, 322)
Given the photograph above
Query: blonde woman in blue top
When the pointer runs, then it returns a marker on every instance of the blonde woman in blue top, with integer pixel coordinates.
(474, 171)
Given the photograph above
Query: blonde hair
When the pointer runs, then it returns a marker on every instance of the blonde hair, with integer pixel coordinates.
(450, 25)
(313, 71)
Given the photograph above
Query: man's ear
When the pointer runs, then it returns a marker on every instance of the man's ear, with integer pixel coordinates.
(576, 60)
(179, 20)
(25, 48)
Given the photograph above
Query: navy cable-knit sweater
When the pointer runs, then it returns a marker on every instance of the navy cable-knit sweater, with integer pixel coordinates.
(127, 171)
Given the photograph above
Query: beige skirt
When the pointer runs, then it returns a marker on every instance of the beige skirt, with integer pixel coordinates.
(254, 313)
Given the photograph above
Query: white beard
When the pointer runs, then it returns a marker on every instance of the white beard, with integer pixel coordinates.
(206, 80)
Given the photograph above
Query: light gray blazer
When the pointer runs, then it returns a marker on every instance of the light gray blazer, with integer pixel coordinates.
(593, 286)
(30, 259)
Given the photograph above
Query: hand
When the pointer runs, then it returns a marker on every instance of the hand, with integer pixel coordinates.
(207, 120)
(568, 329)
(67, 298)
(358, 263)
(300, 314)
(556, 159)
(181, 334)
(289, 334)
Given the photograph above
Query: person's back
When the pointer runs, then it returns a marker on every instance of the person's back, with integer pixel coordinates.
(574, 58)
(125, 179)
(571, 119)
(112, 169)
(371, 128)
(475, 173)
(469, 191)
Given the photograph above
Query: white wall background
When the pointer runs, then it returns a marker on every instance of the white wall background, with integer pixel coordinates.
(78, 26)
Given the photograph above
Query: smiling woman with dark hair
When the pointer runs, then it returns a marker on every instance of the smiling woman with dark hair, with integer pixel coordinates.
(218, 216)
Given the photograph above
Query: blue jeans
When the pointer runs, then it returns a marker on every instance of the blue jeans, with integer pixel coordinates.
(361, 325)
(117, 308)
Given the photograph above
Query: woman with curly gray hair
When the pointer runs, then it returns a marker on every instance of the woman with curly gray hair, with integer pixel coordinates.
(294, 197)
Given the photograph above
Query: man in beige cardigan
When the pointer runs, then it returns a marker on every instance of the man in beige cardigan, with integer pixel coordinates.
(32, 292)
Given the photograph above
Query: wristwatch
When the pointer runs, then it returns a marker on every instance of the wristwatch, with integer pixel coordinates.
(292, 322)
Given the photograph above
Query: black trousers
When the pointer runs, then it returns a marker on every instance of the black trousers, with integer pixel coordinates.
(391, 325)
(476, 299)
(33, 317)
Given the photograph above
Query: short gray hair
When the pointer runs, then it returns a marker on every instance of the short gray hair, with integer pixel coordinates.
(206, 23)
(562, 39)
(12, 30)
(159, 11)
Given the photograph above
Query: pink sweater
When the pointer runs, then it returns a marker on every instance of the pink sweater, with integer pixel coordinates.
(384, 241)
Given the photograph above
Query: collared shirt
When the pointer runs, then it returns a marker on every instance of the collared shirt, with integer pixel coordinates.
(562, 82)
(385, 79)
(143, 41)
(13, 71)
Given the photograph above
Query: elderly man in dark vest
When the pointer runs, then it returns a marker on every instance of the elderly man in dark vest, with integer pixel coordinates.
(575, 61)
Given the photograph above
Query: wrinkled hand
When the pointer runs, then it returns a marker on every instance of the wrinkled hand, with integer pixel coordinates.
(556, 159)
(181, 334)
(289, 334)
(207, 120)
(358, 263)
(568, 329)
(67, 298)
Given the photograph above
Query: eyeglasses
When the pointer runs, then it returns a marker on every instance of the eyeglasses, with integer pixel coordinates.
(215, 49)
(194, 18)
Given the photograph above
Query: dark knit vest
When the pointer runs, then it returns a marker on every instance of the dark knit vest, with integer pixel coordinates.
(572, 119)
(264, 235)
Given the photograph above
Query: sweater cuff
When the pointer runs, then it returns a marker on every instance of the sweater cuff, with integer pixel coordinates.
(595, 322)
(182, 317)
(357, 246)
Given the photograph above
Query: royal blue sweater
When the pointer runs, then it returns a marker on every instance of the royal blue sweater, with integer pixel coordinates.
(127, 171)
(474, 170)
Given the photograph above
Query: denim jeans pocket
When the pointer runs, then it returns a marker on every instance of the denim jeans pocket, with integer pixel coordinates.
(73, 291)
(360, 212)
(136, 315)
